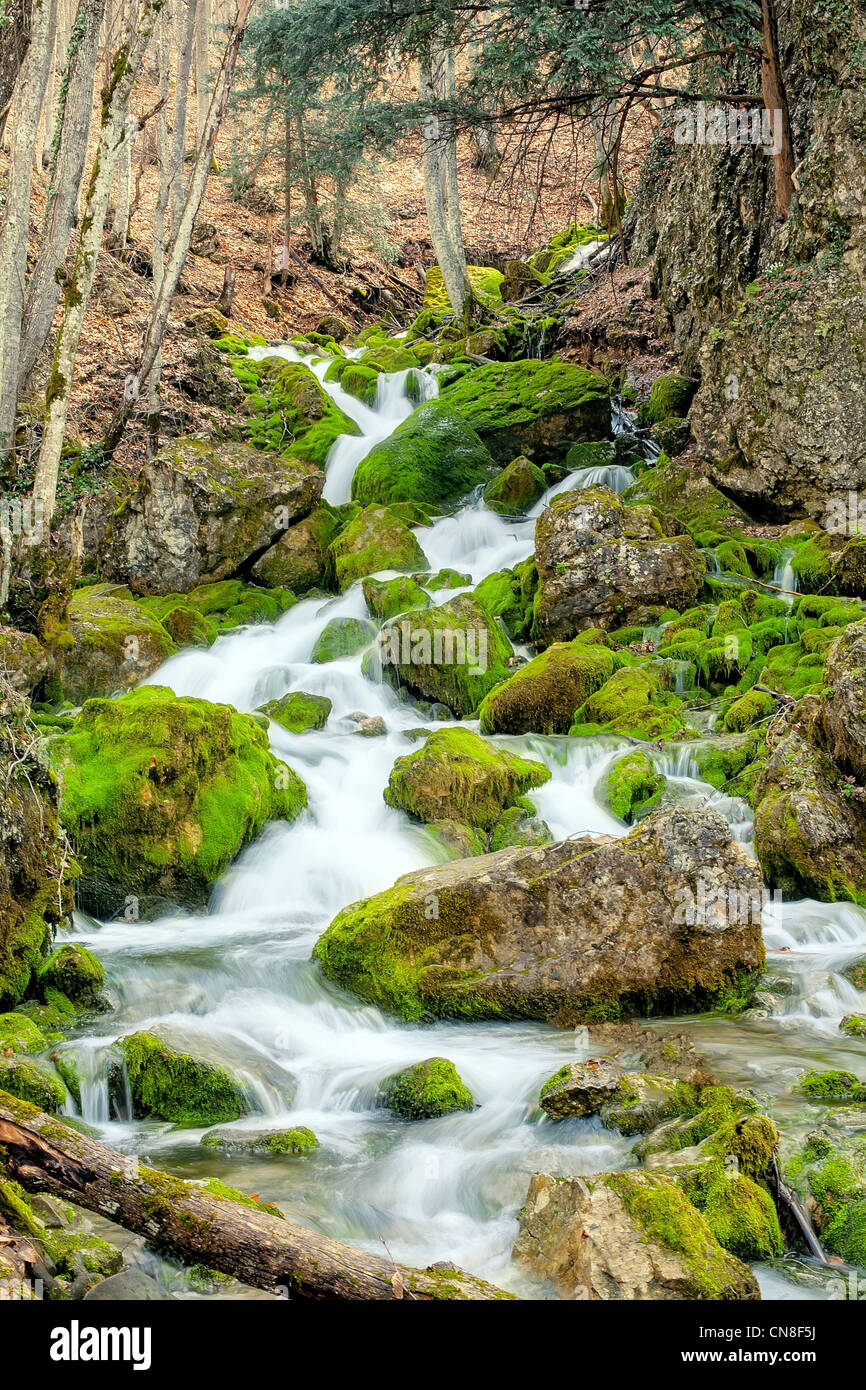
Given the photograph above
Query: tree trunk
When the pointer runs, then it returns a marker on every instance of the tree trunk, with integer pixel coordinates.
(154, 398)
(227, 294)
(259, 1249)
(125, 69)
(312, 210)
(449, 160)
(202, 65)
(13, 238)
(776, 104)
(185, 36)
(183, 233)
(13, 49)
(287, 224)
(454, 275)
(42, 147)
(123, 185)
(43, 288)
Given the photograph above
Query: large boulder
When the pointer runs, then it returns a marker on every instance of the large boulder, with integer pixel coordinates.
(457, 775)
(844, 702)
(433, 457)
(199, 511)
(425, 1091)
(35, 869)
(290, 412)
(376, 539)
(24, 662)
(627, 1235)
(603, 564)
(791, 435)
(170, 1085)
(455, 653)
(666, 919)
(115, 643)
(543, 695)
(159, 794)
(532, 407)
(299, 559)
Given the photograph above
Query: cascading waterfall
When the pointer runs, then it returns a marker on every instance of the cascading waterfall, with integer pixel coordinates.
(236, 983)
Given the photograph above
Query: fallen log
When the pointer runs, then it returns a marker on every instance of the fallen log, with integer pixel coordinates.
(198, 1227)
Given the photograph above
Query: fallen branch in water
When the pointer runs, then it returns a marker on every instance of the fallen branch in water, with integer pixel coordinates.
(45, 1155)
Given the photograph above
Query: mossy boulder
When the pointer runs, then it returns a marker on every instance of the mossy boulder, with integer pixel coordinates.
(74, 972)
(278, 1143)
(632, 786)
(482, 938)
(386, 598)
(509, 595)
(604, 564)
(159, 794)
(342, 637)
(291, 413)
(829, 1173)
(32, 1082)
(425, 1091)
(751, 708)
(198, 511)
(457, 775)
(18, 1033)
(626, 1235)
(298, 711)
(24, 662)
(853, 1025)
(454, 653)
(432, 458)
(299, 559)
(208, 610)
(831, 1085)
(486, 283)
(543, 695)
(360, 381)
(174, 1086)
(376, 539)
(671, 396)
(516, 488)
(632, 702)
(685, 494)
(531, 407)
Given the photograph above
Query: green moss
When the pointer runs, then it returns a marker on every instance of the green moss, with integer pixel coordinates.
(159, 794)
(360, 381)
(543, 695)
(386, 598)
(854, 1025)
(74, 972)
(739, 1211)
(485, 282)
(289, 412)
(531, 404)
(342, 637)
(508, 596)
(177, 1087)
(432, 458)
(32, 1083)
(631, 702)
(425, 1091)
(215, 1188)
(516, 488)
(830, 1085)
(632, 787)
(455, 653)
(19, 1034)
(748, 710)
(456, 775)
(299, 711)
(671, 395)
(375, 539)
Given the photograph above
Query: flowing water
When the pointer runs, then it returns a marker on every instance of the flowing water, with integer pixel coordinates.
(236, 983)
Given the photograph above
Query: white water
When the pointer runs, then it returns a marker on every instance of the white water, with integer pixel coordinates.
(236, 983)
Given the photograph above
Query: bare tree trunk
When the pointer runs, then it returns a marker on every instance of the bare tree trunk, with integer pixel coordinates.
(611, 191)
(185, 36)
(181, 236)
(125, 69)
(287, 223)
(42, 147)
(449, 158)
(13, 238)
(258, 1248)
(202, 65)
(154, 397)
(123, 184)
(43, 288)
(312, 209)
(454, 275)
(16, 39)
(776, 104)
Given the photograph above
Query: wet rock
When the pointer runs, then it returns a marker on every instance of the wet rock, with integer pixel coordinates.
(74, 972)
(601, 563)
(298, 711)
(174, 1086)
(581, 930)
(299, 560)
(200, 510)
(433, 457)
(629, 1235)
(33, 1082)
(277, 1142)
(543, 695)
(115, 643)
(632, 786)
(342, 637)
(516, 488)
(387, 598)
(453, 654)
(129, 1286)
(24, 662)
(376, 539)
(579, 1088)
(458, 776)
(425, 1091)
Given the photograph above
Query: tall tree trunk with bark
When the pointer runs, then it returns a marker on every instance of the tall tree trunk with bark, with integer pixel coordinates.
(449, 161)
(181, 237)
(13, 49)
(450, 261)
(154, 398)
(202, 65)
(73, 118)
(125, 69)
(185, 38)
(776, 105)
(16, 215)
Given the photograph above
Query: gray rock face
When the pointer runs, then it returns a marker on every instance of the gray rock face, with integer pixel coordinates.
(129, 1286)
(844, 703)
(200, 510)
(601, 564)
(594, 1238)
(665, 919)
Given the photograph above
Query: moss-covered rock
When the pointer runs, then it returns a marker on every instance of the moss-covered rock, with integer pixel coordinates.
(174, 1086)
(509, 596)
(543, 695)
(386, 598)
(829, 1173)
(686, 494)
(532, 407)
(830, 1085)
(457, 775)
(516, 488)
(19, 1034)
(425, 1091)
(486, 283)
(854, 1025)
(342, 637)
(376, 539)
(671, 396)
(631, 702)
(208, 610)
(159, 794)
(289, 412)
(115, 643)
(24, 662)
(279, 1143)
(750, 709)
(632, 786)
(298, 711)
(75, 972)
(299, 559)
(454, 654)
(32, 1082)
(432, 458)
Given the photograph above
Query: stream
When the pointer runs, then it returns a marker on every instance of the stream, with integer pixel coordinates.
(236, 983)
